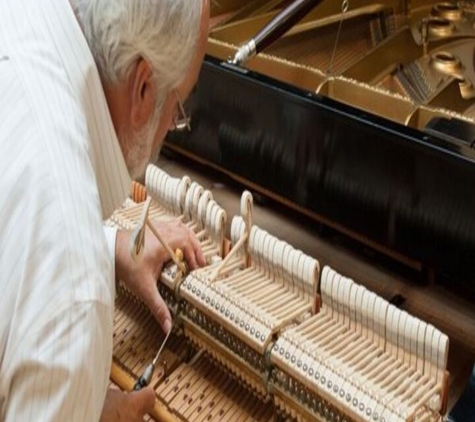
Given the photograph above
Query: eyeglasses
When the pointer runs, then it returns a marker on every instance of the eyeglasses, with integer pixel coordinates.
(182, 121)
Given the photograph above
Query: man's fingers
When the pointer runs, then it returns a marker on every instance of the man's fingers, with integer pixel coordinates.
(190, 257)
(131, 407)
(197, 251)
(200, 258)
(143, 400)
(159, 309)
(195, 254)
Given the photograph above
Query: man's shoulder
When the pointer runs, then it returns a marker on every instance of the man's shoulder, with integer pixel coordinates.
(39, 111)
(41, 131)
(44, 162)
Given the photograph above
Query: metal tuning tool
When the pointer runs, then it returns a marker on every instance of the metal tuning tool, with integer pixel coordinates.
(146, 376)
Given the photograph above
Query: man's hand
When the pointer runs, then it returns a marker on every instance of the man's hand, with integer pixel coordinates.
(123, 407)
(141, 275)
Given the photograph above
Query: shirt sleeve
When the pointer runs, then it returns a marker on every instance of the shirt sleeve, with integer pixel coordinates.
(110, 234)
(59, 372)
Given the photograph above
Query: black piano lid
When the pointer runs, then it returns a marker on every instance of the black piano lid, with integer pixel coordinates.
(464, 409)
(407, 190)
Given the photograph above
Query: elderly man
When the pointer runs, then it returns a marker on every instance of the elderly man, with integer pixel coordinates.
(88, 90)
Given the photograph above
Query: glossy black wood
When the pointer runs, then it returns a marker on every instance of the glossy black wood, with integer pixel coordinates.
(410, 191)
(464, 409)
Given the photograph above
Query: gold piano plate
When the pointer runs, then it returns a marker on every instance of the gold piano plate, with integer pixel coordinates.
(417, 54)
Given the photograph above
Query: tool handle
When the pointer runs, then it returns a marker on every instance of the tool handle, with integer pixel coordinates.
(141, 383)
(278, 26)
(144, 380)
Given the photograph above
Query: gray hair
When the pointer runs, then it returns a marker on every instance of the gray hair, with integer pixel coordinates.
(163, 32)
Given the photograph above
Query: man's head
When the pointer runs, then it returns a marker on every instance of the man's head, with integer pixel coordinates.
(149, 53)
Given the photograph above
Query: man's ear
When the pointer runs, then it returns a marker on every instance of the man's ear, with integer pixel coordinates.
(143, 94)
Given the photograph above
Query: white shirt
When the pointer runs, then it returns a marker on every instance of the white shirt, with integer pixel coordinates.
(61, 173)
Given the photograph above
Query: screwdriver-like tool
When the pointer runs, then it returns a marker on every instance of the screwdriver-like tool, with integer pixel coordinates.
(146, 377)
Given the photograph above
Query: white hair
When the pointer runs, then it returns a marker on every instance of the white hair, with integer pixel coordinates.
(164, 32)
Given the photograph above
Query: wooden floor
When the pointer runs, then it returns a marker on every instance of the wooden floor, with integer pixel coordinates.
(447, 311)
